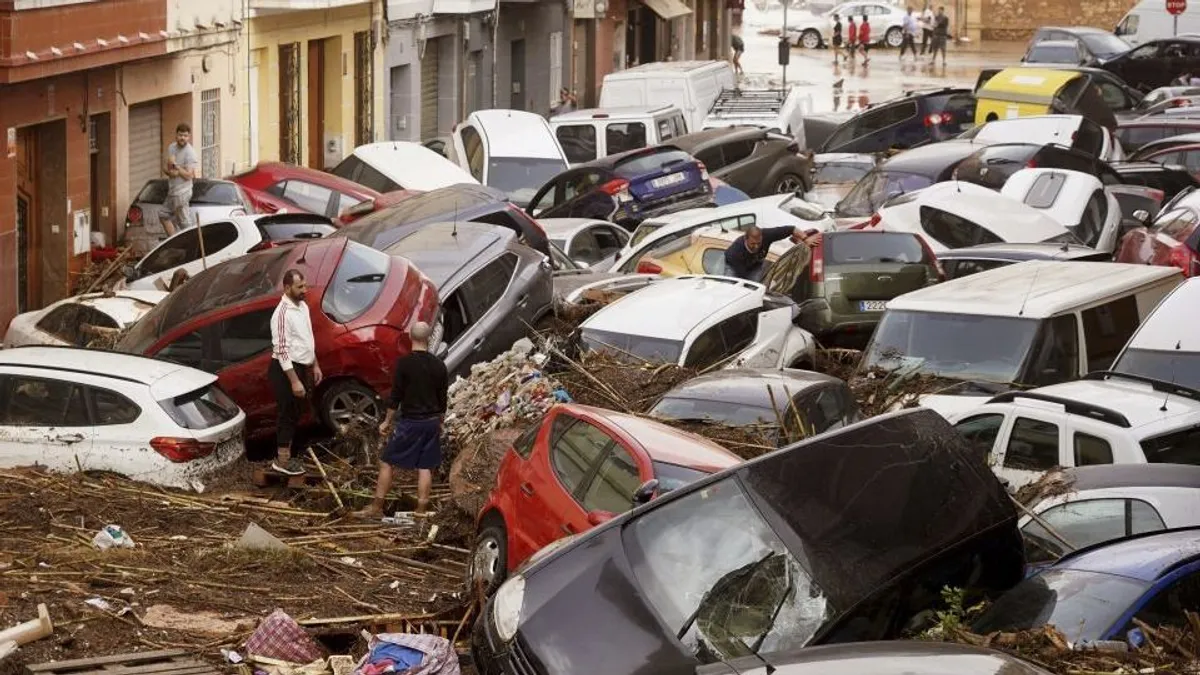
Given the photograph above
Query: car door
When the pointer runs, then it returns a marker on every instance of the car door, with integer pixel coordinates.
(119, 442)
(1139, 65)
(1165, 605)
(740, 170)
(983, 431)
(474, 329)
(1035, 444)
(1084, 523)
(44, 421)
(240, 354)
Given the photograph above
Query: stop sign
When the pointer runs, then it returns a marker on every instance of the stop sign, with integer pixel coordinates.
(1176, 7)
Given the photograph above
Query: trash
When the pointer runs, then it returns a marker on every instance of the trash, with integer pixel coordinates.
(99, 603)
(408, 654)
(259, 539)
(34, 629)
(112, 536)
(280, 637)
(232, 656)
(126, 591)
(341, 665)
(353, 562)
(167, 617)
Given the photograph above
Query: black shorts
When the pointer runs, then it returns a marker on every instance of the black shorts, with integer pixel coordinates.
(837, 41)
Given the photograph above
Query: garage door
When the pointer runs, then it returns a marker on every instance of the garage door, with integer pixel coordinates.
(429, 90)
(145, 145)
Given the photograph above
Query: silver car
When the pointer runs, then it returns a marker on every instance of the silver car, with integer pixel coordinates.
(211, 200)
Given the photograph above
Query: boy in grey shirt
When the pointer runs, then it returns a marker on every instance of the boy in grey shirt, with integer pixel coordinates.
(182, 166)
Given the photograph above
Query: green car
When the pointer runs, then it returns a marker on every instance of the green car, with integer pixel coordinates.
(842, 286)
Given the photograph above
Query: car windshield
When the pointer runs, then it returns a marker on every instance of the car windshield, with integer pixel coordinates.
(647, 228)
(672, 476)
(956, 346)
(731, 414)
(356, 283)
(206, 192)
(649, 162)
(873, 247)
(1083, 605)
(877, 187)
(720, 578)
(1105, 45)
(1054, 53)
(1178, 367)
(521, 177)
(835, 172)
(633, 347)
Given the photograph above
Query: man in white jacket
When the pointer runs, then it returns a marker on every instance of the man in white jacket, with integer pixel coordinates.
(293, 372)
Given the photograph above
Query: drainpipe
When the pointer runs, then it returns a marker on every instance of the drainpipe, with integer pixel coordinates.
(495, 52)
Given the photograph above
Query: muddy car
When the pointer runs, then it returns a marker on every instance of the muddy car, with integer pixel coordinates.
(843, 537)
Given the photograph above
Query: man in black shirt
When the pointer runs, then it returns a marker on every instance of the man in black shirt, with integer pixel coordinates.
(745, 257)
(419, 390)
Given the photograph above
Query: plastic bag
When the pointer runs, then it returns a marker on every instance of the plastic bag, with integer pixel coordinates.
(112, 536)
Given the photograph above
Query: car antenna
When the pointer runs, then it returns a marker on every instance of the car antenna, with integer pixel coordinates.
(1178, 346)
(454, 228)
(1028, 291)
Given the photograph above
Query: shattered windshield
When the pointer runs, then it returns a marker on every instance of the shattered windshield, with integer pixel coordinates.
(877, 187)
(721, 579)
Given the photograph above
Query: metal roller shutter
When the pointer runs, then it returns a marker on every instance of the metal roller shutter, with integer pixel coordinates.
(429, 90)
(145, 145)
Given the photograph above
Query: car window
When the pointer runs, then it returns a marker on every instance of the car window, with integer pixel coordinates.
(615, 482)
(578, 141)
(712, 261)
(845, 248)
(606, 241)
(576, 452)
(965, 267)
(666, 130)
(1128, 25)
(186, 350)
(736, 151)
(1032, 445)
(216, 192)
(818, 409)
(217, 237)
(1134, 137)
(41, 402)
(74, 323)
(1086, 523)
(486, 287)
(1106, 330)
(1045, 190)
(789, 275)
(1091, 450)
(954, 231)
(523, 445)
(473, 148)
(1179, 447)
(1114, 97)
(1177, 224)
(1147, 51)
(1092, 221)
(572, 186)
(112, 408)
(345, 201)
(1171, 605)
(584, 247)
(711, 158)
(1189, 159)
(243, 336)
(1055, 355)
(624, 136)
(354, 169)
(738, 331)
(357, 282)
(706, 350)
(311, 198)
(287, 230)
(179, 250)
(981, 430)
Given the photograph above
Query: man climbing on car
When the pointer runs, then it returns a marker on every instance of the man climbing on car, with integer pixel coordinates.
(746, 257)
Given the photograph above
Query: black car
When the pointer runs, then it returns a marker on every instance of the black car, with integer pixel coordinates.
(1133, 134)
(461, 202)
(963, 262)
(1157, 63)
(753, 160)
(1168, 143)
(843, 537)
(993, 165)
(1095, 45)
(880, 658)
(1169, 179)
(903, 173)
(626, 188)
(913, 119)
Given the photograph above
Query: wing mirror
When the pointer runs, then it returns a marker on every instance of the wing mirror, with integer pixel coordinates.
(600, 517)
(645, 492)
(130, 273)
(1142, 216)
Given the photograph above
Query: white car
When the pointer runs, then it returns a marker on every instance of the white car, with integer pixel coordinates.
(1167, 344)
(586, 241)
(955, 214)
(1075, 199)
(513, 151)
(1072, 131)
(1102, 419)
(72, 409)
(772, 211)
(400, 165)
(75, 322)
(699, 322)
(811, 31)
(222, 240)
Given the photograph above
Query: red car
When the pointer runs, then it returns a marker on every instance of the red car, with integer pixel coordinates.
(1170, 241)
(361, 303)
(384, 201)
(271, 183)
(578, 468)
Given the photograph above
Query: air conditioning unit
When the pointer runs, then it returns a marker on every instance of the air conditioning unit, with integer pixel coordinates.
(333, 151)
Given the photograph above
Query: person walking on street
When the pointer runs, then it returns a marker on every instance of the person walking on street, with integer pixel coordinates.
(909, 40)
(746, 257)
(941, 33)
(837, 37)
(851, 39)
(420, 391)
(181, 167)
(739, 47)
(864, 38)
(926, 22)
(293, 372)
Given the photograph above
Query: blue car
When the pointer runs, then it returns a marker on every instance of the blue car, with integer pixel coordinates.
(1094, 594)
(626, 188)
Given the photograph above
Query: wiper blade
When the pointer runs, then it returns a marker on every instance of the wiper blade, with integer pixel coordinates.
(366, 278)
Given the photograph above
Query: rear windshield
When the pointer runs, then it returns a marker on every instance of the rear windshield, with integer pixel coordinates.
(649, 162)
(219, 193)
(1177, 447)
(356, 284)
(521, 177)
(1104, 45)
(201, 409)
(623, 345)
(285, 231)
(714, 411)
(873, 247)
(960, 107)
(421, 208)
(354, 169)
(1048, 53)
(840, 173)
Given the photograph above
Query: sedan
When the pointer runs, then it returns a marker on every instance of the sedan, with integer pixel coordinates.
(756, 161)
(78, 321)
(586, 241)
(1068, 52)
(887, 21)
(1092, 45)
(211, 200)
(577, 468)
(305, 189)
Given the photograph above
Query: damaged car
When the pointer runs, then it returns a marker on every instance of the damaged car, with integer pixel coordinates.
(78, 321)
(826, 541)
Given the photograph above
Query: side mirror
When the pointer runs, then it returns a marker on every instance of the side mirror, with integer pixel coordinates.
(1142, 216)
(645, 492)
(130, 273)
(600, 517)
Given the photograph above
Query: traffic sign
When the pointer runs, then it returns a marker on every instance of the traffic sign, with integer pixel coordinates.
(1176, 7)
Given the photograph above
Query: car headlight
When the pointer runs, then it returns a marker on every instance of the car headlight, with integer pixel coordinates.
(506, 607)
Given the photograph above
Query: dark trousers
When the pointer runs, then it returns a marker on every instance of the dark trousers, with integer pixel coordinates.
(289, 407)
(926, 36)
(908, 43)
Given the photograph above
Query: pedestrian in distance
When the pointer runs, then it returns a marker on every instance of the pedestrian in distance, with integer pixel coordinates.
(837, 37)
(566, 103)
(926, 22)
(293, 372)
(413, 426)
(739, 48)
(941, 33)
(851, 39)
(908, 42)
(181, 168)
(746, 257)
(864, 38)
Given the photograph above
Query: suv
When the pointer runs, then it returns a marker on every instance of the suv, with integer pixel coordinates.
(1105, 418)
(913, 119)
(588, 135)
(755, 161)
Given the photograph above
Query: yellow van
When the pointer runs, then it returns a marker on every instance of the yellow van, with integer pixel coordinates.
(1025, 92)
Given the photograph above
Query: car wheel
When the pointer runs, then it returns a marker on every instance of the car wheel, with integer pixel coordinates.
(811, 39)
(788, 183)
(489, 558)
(347, 402)
(894, 37)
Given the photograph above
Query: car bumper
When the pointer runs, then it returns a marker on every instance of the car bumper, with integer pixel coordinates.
(494, 657)
(633, 212)
(822, 321)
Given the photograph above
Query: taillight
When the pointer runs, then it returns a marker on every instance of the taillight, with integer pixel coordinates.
(816, 271)
(619, 188)
(703, 171)
(1031, 164)
(938, 118)
(932, 257)
(135, 214)
(181, 450)
(647, 267)
(1182, 258)
(262, 246)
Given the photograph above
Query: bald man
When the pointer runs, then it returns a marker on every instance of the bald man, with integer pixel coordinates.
(419, 392)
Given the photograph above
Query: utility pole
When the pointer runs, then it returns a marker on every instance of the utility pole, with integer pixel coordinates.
(785, 46)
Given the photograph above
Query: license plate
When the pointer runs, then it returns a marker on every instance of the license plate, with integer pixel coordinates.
(872, 305)
(667, 181)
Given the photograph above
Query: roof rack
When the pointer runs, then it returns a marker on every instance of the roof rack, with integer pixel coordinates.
(1072, 406)
(739, 102)
(1157, 385)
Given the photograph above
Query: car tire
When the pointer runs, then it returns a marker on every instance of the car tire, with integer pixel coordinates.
(810, 39)
(788, 183)
(894, 37)
(347, 400)
(488, 565)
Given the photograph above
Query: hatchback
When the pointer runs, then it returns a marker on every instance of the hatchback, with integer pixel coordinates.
(211, 200)
(913, 119)
(82, 319)
(756, 161)
(703, 252)
(1172, 240)
(901, 174)
(993, 165)
(306, 189)
(579, 467)
(361, 301)
(1095, 45)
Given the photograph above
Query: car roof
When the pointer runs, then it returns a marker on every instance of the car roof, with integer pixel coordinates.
(1007, 217)
(1174, 323)
(1075, 29)
(935, 156)
(1149, 411)
(1145, 557)
(667, 444)
(102, 363)
(1034, 289)
(1007, 251)
(412, 165)
(1004, 129)
(1055, 43)
(666, 67)
(610, 161)
(285, 171)
(1193, 137)
(615, 112)
(672, 309)
(441, 250)
(516, 133)
(749, 386)
(1111, 476)
(565, 227)
(689, 142)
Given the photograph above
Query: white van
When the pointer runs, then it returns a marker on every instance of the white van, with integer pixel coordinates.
(587, 135)
(510, 150)
(1149, 20)
(1167, 346)
(692, 86)
(1035, 323)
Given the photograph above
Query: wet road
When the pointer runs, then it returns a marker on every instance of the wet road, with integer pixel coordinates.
(886, 77)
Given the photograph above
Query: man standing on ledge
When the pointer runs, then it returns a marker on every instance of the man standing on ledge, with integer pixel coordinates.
(420, 390)
(293, 372)
(745, 258)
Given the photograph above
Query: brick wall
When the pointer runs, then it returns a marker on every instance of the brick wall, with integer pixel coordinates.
(1017, 19)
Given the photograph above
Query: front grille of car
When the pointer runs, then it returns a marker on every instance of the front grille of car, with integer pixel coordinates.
(519, 662)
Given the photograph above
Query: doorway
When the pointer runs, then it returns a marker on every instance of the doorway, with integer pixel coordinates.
(517, 61)
(100, 175)
(316, 103)
(43, 230)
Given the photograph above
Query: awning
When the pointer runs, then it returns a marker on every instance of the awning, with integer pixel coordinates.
(668, 9)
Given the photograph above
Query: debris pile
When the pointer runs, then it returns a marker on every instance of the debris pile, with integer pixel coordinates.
(879, 391)
(102, 274)
(1163, 649)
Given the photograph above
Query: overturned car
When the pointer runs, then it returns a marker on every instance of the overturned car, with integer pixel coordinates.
(849, 536)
